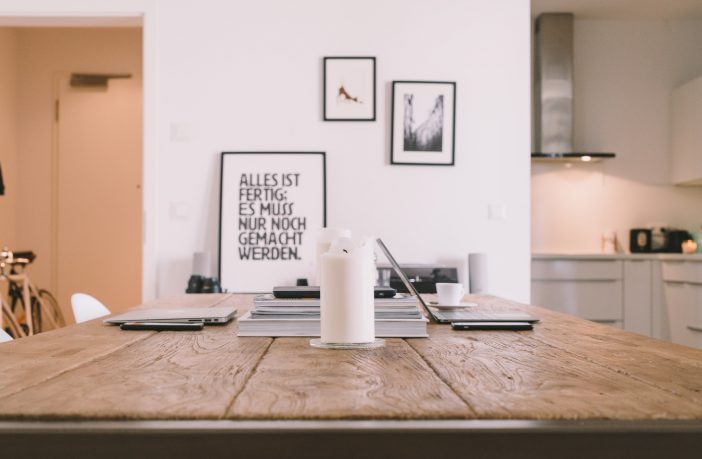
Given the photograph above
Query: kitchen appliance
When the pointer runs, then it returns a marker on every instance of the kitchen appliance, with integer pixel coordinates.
(423, 277)
(674, 239)
(657, 240)
(553, 86)
(640, 240)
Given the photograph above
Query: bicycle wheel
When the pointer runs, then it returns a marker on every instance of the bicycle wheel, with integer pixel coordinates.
(52, 307)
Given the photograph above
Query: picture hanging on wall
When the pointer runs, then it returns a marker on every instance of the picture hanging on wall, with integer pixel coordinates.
(349, 89)
(423, 123)
(271, 207)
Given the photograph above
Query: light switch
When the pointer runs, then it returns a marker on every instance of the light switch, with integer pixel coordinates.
(497, 211)
(180, 211)
(181, 132)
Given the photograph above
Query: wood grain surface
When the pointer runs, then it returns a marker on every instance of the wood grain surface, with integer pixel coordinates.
(566, 368)
(295, 381)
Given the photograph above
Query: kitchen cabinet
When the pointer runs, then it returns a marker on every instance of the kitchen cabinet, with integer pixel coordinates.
(658, 295)
(686, 135)
(682, 282)
(590, 289)
(638, 298)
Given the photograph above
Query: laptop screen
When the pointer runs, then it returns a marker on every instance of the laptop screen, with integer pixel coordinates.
(403, 278)
(451, 316)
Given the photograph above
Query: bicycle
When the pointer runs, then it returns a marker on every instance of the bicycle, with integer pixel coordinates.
(27, 309)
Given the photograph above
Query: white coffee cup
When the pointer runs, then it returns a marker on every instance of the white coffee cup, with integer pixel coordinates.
(450, 294)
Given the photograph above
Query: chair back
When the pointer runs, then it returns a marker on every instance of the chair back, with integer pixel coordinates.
(86, 307)
(4, 336)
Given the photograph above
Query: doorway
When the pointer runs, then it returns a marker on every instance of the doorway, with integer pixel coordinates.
(79, 161)
(97, 193)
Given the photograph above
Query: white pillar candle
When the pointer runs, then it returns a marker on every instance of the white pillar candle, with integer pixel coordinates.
(324, 240)
(347, 303)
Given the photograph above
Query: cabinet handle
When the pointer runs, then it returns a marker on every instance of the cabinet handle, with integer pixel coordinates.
(606, 321)
(695, 328)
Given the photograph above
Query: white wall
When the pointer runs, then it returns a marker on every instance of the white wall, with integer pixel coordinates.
(8, 137)
(247, 76)
(624, 75)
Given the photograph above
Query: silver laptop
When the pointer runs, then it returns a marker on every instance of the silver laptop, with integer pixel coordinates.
(445, 317)
(216, 315)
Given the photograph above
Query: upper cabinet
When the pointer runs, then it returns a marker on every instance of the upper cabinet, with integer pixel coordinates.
(686, 136)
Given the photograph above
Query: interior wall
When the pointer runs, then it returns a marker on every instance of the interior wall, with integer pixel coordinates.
(625, 72)
(8, 138)
(44, 53)
(248, 77)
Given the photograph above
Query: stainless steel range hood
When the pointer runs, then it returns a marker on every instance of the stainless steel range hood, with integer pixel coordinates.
(553, 97)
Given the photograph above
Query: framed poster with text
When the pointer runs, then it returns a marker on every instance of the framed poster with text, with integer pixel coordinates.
(271, 207)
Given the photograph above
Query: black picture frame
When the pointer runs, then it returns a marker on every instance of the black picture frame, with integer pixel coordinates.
(294, 268)
(423, 157)
(333, 67)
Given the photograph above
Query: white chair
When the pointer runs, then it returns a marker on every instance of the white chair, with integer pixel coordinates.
(4, 337)
(86, 307)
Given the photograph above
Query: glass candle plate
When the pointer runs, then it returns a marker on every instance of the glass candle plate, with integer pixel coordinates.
(317, 342)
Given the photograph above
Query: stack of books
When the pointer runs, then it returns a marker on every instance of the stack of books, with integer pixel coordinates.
(398, 317)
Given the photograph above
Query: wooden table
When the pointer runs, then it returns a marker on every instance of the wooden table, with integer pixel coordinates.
(568, 388)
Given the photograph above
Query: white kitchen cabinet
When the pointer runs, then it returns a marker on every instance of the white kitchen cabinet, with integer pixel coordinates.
(658, 295)
(682, 282)
(590, 289)
(638, 298)
(686, 135)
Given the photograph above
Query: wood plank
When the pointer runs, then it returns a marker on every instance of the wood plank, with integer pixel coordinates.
(295, 381)
(518, 375)
(509, 375)
(169, 375)
(671, 367)
(29, 361)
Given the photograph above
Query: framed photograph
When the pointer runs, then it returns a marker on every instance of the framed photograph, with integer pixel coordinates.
(271, 207)
(423, 123)
(349, 89)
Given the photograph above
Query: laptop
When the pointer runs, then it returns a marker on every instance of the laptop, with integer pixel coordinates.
(445, 317)
(216, 315)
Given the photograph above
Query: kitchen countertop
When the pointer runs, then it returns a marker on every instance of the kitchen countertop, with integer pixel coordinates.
(618, 256)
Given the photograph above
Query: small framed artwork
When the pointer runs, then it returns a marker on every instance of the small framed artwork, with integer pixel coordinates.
(349, 89)
(423, 123)
(272, 205)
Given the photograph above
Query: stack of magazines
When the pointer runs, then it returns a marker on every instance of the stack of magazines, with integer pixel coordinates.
(398, 317)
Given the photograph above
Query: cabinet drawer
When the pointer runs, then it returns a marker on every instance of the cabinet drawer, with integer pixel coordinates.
(684, 301)
(682, 271)
(592, 300)
(576, 269)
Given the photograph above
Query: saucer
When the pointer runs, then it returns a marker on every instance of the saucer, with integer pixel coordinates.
(448, 307)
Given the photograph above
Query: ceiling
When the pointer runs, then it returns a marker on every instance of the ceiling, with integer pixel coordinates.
(622, 9)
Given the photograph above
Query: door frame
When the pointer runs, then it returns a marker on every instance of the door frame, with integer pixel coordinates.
(137, 13)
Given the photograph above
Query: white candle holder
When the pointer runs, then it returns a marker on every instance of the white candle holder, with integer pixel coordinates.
(317, 342)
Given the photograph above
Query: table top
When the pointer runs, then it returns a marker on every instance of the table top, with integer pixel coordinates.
(565, 369)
